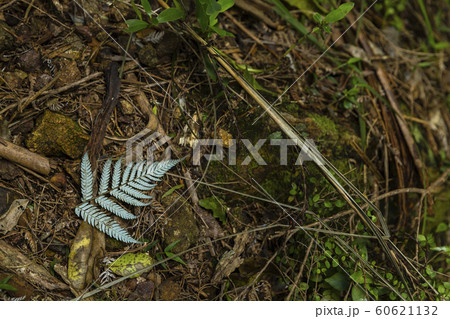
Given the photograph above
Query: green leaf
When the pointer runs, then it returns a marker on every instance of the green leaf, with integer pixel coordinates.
(358, 277)
(221, 32)
(421, 238)
(135, 25)
(7, 287)
(147, 7)
(287, 15)
(339, 203)
(170, 14)
(225, 4)
(130, 263)
(217, 207)
(339, 13)
(177, 259)
(316, 198)
(277, 135)
(171, 246)
(202, 17)
(441, 227)
(358, 294)
(170, 191)
(212, 7)
(318, 17)
(303, 286)
(339, 281)
(5, 280)
(138, 13)
(211, 67)
(169, 254)
(303, 5)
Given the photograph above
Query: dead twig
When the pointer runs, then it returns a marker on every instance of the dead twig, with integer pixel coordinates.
(24, 157)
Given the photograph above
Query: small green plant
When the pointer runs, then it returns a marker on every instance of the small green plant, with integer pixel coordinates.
(206, 11)
(167, 15)
(5, 286)
(332, 17)
(169, 253)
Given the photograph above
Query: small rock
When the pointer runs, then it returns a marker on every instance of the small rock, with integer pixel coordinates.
(147, 55)
(181, 225)
(9, 171)
(69, 73)
(127, 107)
(168, 44)
(14, 79)
(59, 179)
(30, 61)
(42, 81)
(143, 291)
(169, 290)
(58, 135)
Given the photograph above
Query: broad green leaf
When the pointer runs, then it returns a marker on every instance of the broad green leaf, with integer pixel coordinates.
(202, 17)
(445, 249)
(147, 7)
(358, 294)
(170, 14)
(225, 4)
(135, 25)
(170, 191)
(130, 263)
(339, 13)
(339, 281)
(421, 238)
(213, 7)
(441, 227)
(358, 277)
(217, 208)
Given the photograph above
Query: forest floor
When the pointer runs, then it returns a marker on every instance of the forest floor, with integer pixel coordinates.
(373, 94)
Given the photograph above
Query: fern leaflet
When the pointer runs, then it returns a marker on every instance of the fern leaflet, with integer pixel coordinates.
(127, 187)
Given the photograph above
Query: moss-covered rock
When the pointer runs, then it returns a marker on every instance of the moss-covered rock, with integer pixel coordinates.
(57, 135)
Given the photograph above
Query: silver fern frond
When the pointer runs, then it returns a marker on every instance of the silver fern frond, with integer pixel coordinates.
(127, 187)
(87, 180)
(154, 37)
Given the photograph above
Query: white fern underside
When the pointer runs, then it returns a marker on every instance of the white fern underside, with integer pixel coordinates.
(127, 187)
